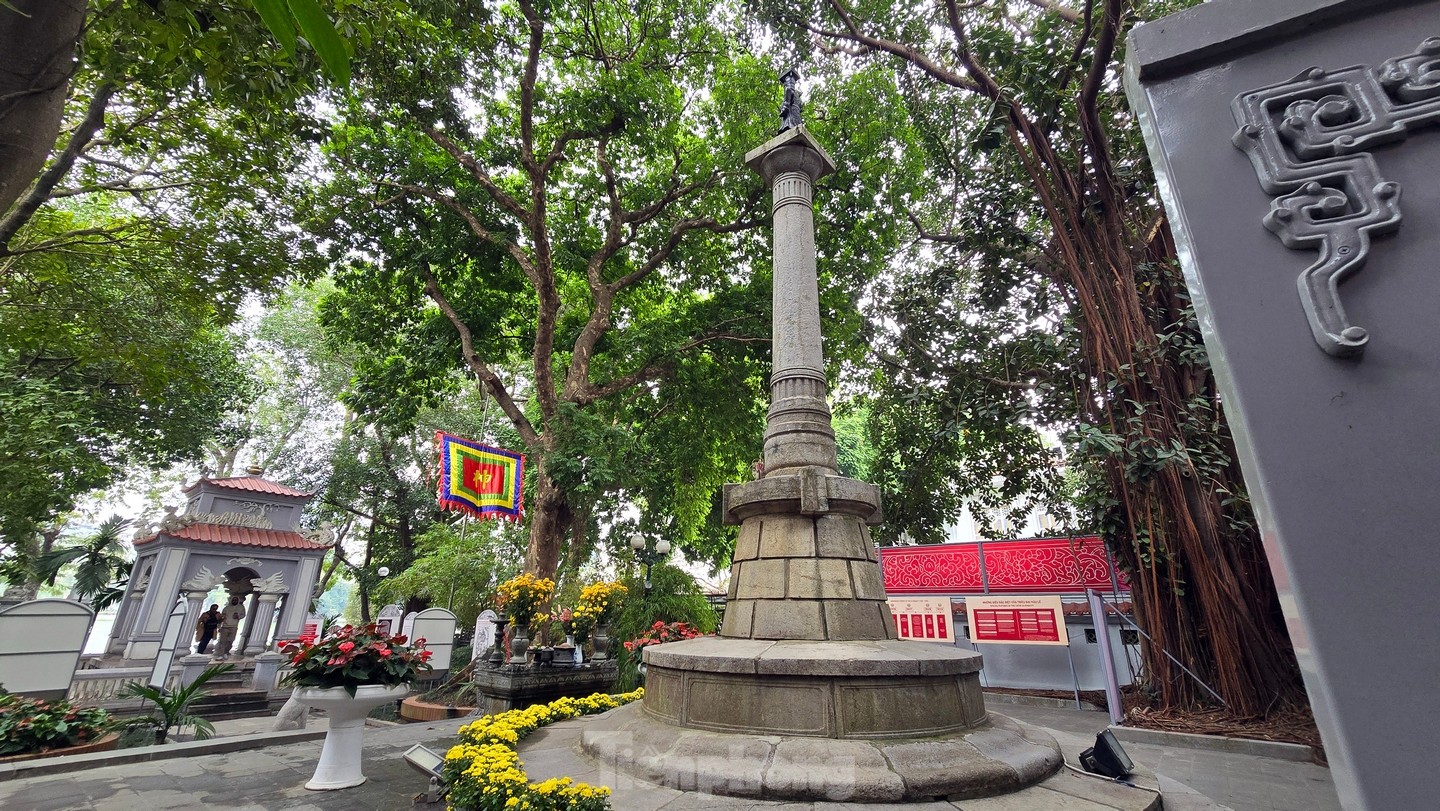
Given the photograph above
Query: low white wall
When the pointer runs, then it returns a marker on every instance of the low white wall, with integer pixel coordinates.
(1046, 667)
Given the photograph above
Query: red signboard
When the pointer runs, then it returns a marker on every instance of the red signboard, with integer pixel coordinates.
(1017, 620)
(923, 618)
(1051, 565)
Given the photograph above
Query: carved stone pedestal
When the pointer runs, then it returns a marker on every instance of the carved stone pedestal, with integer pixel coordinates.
(510, 687)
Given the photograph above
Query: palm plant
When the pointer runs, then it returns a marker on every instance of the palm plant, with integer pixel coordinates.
(100, 564)
(172, 709)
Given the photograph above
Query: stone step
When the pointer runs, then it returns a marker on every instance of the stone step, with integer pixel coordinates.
(224, 704)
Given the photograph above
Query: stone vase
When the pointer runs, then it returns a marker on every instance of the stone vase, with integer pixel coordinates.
(339, 765)
(600, 640)
(519, 644)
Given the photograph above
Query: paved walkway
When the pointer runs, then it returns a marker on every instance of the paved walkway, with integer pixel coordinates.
(273, 777)
(1243, 782)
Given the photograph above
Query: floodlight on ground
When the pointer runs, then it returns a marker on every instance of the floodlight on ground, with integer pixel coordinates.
(383, 571)
(430, 764)
(426, 761)
(1107, 757)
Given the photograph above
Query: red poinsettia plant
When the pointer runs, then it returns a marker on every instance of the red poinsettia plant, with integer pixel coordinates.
(662, 632)
(352, 657)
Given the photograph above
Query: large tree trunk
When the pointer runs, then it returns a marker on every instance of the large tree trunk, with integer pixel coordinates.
(1201, 586)
(1179, 522)
(550, 520)
(38, 40)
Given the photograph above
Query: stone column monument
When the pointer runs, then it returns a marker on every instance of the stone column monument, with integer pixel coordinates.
(807, 693)
(1296, 145)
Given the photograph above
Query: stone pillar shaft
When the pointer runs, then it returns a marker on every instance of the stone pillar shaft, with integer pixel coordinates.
(804, 567)
(797, 429)
(194, 606)
(259, 637)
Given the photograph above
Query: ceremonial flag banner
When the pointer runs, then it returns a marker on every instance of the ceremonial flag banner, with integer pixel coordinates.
(479, 479)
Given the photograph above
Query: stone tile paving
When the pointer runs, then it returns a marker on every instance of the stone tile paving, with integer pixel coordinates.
(274, 778)
(1243, 782)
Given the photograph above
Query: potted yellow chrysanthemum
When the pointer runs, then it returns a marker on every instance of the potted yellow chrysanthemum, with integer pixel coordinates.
(522, 598)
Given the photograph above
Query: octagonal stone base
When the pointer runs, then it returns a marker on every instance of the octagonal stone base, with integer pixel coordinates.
(999, 757)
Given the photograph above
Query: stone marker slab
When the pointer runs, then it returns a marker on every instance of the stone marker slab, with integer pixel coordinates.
(1296, 145)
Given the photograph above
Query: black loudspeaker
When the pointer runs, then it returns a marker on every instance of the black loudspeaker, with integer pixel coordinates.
(1106, 757)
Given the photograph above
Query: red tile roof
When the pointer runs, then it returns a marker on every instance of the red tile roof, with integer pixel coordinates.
(253, 484)
(239, 536)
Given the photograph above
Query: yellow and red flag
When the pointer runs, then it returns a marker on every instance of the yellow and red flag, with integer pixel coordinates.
(479, 479)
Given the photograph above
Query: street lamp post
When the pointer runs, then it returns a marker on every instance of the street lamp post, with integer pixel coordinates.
(648, 556)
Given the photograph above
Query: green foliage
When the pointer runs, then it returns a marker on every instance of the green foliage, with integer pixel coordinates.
(30, 725)
(592, 234)
(285, 18)
(132, 252)
(108, 358)
(459, 574)
(674, 596)
(101, 564)
(172, 710)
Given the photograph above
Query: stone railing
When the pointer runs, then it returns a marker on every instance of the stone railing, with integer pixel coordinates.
(98, 688)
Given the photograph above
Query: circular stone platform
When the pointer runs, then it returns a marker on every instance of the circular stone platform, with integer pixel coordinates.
(823, 689)
(1001, 756)
(857, 720)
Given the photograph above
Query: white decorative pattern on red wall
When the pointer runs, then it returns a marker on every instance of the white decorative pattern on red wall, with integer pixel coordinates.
(1052, 565)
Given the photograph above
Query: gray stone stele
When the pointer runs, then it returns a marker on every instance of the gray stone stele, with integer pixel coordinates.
(1338, 446)
(807, 693)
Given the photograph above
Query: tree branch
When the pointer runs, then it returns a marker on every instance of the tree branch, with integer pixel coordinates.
(482, 177)
(557, 150)
(373, 519)
(476, 227)
(853, 33)
(1064, 12)
(527, 87)
(26, 207)
(122, 185)
(492, 381)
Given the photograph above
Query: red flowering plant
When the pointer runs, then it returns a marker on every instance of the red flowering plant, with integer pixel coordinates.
(30, 725)
(352, 657)
(662, 632)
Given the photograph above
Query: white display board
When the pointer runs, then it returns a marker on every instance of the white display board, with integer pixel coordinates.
(437, 627)
(40, 644)
(388, 620)
(175, 628)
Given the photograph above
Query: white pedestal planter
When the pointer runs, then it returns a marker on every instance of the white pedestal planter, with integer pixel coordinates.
(339, 765)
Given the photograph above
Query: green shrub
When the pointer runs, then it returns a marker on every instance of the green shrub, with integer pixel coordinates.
(674, 597)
